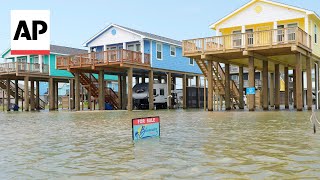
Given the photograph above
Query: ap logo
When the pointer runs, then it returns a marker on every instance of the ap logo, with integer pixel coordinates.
(30, 32)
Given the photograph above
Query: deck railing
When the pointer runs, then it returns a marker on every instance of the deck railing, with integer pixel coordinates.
(272, 37)
(22, 67)
(103, 58)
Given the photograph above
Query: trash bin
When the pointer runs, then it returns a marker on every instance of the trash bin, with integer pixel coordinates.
(14, 107)
(108, 106)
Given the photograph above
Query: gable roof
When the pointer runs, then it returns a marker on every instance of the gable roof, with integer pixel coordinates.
(55, 49)
(213, 26)
(137, 32)
(66, 50)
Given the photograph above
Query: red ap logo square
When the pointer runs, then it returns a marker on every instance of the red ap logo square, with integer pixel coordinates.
(30, 32)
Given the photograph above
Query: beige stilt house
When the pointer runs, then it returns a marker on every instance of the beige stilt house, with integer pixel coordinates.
(262, 35)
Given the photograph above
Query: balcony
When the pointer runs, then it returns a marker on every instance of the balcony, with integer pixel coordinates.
(111, 58)
(23, 68)
(259, 40)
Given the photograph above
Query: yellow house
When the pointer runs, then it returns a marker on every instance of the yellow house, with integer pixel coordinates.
(261, 35)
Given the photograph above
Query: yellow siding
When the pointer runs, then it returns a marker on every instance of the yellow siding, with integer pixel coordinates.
(315, 47)
(299, 21)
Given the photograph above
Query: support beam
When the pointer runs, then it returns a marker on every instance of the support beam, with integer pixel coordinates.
(26, 93)
(198, 90)
(286, 92)
(265, 86)
(227, 87)
(72, 94)
(32, 100)
(169, 84)
(298, 82)
(38, 95)
(277, 86)
(120, 90)
(77, 91)
(251, 97)
(184, 89)
(137, 80)
(16, 92)
(124, 92)
(143, 79)
(205, 94)
(56, 95)
(210, 86)
(130, 103)
(151, 105)
(294, 88)
(241, 100)
(8, 94)
(309, 65)
(271, 95)
(101, 90)
(51, 94)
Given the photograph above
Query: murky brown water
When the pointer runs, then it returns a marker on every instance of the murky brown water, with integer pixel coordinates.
(194, 144)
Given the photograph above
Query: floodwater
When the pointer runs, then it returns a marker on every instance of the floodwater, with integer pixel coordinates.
(194, 145)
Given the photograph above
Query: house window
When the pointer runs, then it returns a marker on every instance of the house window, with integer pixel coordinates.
(191, 61)
(315, 34)
(237, 38)
(172, 51)
(161, 92)
(36, 60)
(159, 51)
(22, 59)
(154, 92)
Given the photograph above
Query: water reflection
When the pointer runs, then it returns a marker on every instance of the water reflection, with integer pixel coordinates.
(193, 144)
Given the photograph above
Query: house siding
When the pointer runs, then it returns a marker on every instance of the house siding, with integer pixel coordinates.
(56, 72)
(168, 62)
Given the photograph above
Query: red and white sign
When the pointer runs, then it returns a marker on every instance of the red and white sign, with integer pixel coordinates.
(149, 120)
(30, 32)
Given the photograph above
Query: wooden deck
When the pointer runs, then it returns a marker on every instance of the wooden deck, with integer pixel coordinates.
(115, 59)
(23, 69)
(268, 43)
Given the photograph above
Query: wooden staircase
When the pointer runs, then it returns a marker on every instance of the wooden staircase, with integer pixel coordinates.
(3, 85)
(90, 83)
(218, 77)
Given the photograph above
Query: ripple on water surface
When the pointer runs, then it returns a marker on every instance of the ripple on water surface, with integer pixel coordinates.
(193, 144)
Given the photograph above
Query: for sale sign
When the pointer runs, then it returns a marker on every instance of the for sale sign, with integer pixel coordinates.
(30, 32)
(145, 127)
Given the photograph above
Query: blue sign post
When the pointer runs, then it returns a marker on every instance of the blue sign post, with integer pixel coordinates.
(145, 128)
(251, 90)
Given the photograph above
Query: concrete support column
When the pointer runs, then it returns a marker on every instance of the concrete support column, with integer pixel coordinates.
(101, 90)
(37, 95)
(16, 92)
(294, 89)
(227, 87)
(130, 103)
(265, 85)
(286, 82)
(309, 65)
(210, 87)
(184, 87)
(8, 94)
(169, 84)
(251, 97)
(298, 82)
(241, 101)
(32, 101)
(26, 93)
(77, 91)
(151, 105)
(271, 95)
